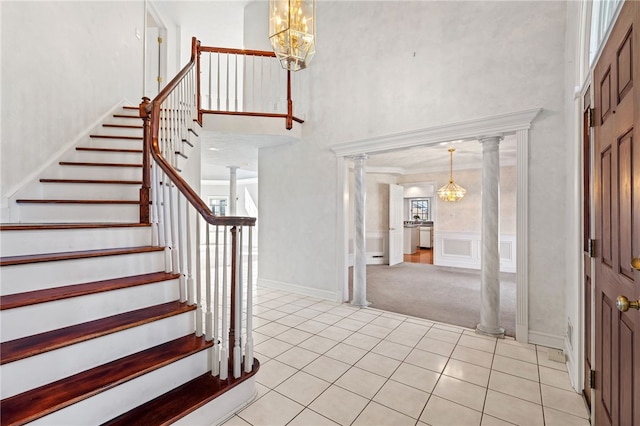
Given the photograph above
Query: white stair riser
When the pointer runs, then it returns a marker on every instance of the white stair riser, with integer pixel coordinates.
(105, 157)
(38, 276)
(96, 172)
(119, 131)
(90, 191)
(113, 402)
(42, 317)
(15, 243)
(71, 213)
(38, 370)
(113, 143)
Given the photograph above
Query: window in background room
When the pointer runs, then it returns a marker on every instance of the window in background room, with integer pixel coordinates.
(218, 205)
(421, 209)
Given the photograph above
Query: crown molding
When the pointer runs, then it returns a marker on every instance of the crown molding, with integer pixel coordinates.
(471, 129)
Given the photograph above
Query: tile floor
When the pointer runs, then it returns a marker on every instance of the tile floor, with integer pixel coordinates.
(325, 363)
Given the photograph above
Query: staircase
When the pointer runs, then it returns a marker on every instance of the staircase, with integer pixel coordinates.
(96, 327)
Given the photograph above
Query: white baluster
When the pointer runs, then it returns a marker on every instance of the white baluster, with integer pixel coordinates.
(237, 322)
(180, 251)
(216, 305)
(248, 346)
(224, 360)
(189, 265)
(208, 318)
(218, 82)
(199, 312)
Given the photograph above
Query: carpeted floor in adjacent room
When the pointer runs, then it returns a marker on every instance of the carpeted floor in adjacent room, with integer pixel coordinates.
(438, 293)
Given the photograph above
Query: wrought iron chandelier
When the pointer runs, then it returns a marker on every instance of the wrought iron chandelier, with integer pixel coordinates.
(451, 191)
(292, 32)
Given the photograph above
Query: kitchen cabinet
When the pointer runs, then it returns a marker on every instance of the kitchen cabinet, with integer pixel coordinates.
(426, 234)
(411, 239)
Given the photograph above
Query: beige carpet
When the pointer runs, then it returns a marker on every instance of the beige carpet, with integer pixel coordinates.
(438, 293)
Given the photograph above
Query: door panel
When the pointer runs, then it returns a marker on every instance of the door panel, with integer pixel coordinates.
(396, 229)
(616, 191)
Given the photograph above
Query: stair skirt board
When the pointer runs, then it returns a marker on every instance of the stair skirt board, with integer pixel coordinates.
(29, 320)
(113, 402)
(22, 278)
(34, 241)
(70, 213)
(28, 373)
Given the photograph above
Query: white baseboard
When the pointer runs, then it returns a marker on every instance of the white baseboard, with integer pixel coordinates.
(574, 376)
(298, 289)
(546, 339)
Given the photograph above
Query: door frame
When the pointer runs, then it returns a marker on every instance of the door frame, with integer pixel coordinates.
(517, 123)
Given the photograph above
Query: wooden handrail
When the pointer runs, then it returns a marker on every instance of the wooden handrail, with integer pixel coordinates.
(246, 52)
(151, 117)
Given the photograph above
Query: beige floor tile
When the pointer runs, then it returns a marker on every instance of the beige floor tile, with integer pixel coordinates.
(450, 327)
(326, 368)
(291, 320)
(557, 378)
(274, 372)
(271, 314)
(515, 386)
(512, 409)
(517, 352)
(375, 331)
(271, 409)
(297, 357)
(318, 344)
(417, 377)
(461, 392)
(361, 341)
(402, 398)
(427, 360)
(468, 372)
(339, 405)
(324, 306)
(558, 418)
(477, 343)
(272, 329)
(307, 313)
(378, 364)
(386, 322)
(473, 356)
(379, 415)
(360, 381)
(302, 387)
(272, 347)
(328, 318)
(273, 303)
(512, 341)
(294, 336)
(309, 417)
(365, 315)
(562, 400)
(391, 350)
(346, 353)
(403, 338)
(335, 333)
(343, 310)
(420, 321)
(436, 346)
(235, 421)
(409, 327)
(259, 337)
(311, 326)
(288, 308)
(512, 366)
(488, 420)
(543, 359)
(441, 412)
(350, 324)
(444, 335)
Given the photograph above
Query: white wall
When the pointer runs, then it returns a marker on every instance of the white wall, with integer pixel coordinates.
(387, 67)
(64, 64)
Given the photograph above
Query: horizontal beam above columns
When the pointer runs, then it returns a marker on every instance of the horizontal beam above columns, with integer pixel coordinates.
(471, 129)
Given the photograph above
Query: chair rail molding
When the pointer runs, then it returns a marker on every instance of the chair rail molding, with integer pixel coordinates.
(518, 123)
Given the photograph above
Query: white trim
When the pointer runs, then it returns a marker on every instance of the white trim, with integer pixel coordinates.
(471, 129)
(546, 339)
(516, 122)
(334, 296)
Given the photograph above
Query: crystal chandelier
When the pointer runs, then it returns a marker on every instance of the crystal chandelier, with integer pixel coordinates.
(451, 191)
(292, 32)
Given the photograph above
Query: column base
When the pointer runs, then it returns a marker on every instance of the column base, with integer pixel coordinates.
(360, 305)
(491, 332)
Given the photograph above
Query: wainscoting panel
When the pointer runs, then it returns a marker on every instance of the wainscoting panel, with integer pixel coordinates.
(377, 248)
(463, 250)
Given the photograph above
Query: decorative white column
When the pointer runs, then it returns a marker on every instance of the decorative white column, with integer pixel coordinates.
(490, 257)
(360, 255)
(233, 191)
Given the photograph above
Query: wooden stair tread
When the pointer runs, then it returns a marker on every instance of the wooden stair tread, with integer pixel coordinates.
(47, 201)
(79, 163)
(25, 347)
(127, 116)
(177, 403)
(92, 181)
(135, 138)
(17, 300)
(44, 226)
(126, 151)
(38, 402)
(71, 255)
(124, 126)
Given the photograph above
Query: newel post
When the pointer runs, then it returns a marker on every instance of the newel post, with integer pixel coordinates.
(145, 190)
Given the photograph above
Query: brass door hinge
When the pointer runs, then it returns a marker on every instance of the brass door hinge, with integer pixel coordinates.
(592, 247)
(592, 379)
(591, 117)
(159, 40)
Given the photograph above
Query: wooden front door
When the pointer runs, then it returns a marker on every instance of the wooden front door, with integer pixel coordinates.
(616, 183)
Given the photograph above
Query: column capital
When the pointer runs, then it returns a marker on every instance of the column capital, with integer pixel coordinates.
(359, 157)
(491, 138)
